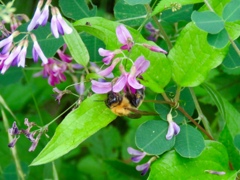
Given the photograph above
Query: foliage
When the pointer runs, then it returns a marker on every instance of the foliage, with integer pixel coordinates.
(185, 57)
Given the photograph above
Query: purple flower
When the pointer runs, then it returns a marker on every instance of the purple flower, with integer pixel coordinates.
(54, 70)
(13, 142)
(144, 168)
(155, 48)
(106, 72)
(58, 25)
(154, 32)
(14, 129)
(137, 156)
(34, 22)
(5, 44)
(124, 37)
(64, 57)
(37, 51)
(34, 143)
(22, 54)
(173, 128)
(42, 20)
(125, 81)
(109, 55)
(80, 88)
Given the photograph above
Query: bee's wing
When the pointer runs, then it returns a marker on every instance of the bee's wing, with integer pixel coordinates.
(138, 113)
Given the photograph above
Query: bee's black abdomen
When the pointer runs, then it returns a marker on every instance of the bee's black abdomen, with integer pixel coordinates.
(135, 99)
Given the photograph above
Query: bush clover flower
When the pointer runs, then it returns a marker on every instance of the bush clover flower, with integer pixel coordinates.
(64, 57)
(155, 48)
(6, 44)
(125, 81)
(42, 20)
(34, 22)
(22, 54)
(154, 32)
(137, 155)
(58, 25)
(37, 51)
(109, 69)
(143, 167)
(173, 128)
(109, 55)
(124, 37)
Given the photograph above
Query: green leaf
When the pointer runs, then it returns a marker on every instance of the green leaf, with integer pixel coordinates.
(214, 157)
(208, 21)
(77, 9)
(231, 11)
(219, 40)
(232, 60)
(48, 43)
(158, 74)
(232, 126)
(151, 137)
(185, 101)
(12, 76)
(166, 4)
(130, 15)
(237, 141)
(77, 126)
(192, 57)
(189, 142)
(134, 2)
(76, 47)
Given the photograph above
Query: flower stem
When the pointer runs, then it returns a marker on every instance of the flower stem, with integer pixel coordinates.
(200, 113)
(13, 149)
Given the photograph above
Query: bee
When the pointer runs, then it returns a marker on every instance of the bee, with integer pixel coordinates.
(126, 104)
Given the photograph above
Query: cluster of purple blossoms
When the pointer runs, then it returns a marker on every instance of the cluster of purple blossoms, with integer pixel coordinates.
(137, 156)
(154, 33)
(127, 80)
(12, 54)
(14, 131)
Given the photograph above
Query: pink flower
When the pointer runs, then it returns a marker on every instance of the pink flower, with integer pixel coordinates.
(124, 37)
(155, 48)
(64, 57)
(109, 55)
(106, 72)
(125, 81)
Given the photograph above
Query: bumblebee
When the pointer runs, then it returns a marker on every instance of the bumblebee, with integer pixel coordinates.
(125, 104)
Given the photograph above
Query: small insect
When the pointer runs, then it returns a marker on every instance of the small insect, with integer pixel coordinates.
(126, 104)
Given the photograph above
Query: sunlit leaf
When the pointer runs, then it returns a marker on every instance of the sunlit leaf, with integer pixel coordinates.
(166, 4)
(214, 157)
(192, 57)
(151, 137)
(77, 9)
(128, 14)
(77, 126)
(231, 11)
(208, 21)
(76, 47)
(189, 142)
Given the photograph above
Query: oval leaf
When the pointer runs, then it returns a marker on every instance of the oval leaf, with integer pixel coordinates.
(214, 157)
(134, 2)
(77, 126)
(151, 137)
(231, 11)
(208, 21)
(232, 60)
(237, 141)
(76, 47)
(192, 57)
(189, 142)
(218, 40)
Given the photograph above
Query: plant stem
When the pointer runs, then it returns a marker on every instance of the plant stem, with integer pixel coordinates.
(177, 95)
(162, 31)
(13, 150)
(200, 113)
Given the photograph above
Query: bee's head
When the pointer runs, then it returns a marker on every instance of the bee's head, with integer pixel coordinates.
(113, 99)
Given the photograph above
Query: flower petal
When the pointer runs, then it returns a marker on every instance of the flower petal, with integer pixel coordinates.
(123, 34)
(144, 168)
(141, 65)
(121, 82)
(101, 87)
